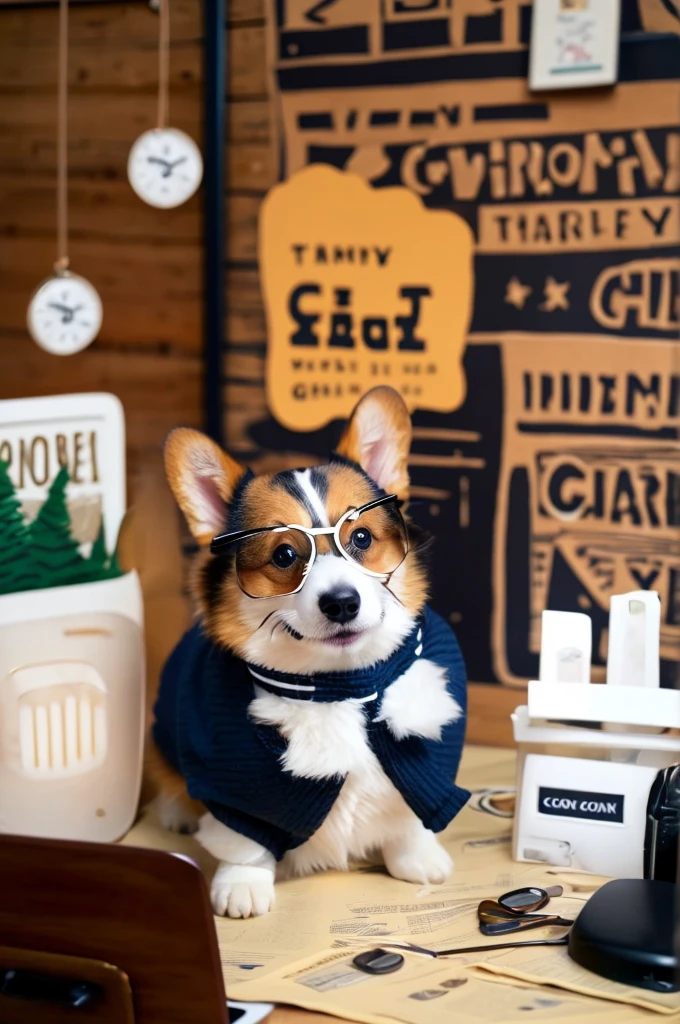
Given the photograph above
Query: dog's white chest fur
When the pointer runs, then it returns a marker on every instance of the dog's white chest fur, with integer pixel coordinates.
(330, 739)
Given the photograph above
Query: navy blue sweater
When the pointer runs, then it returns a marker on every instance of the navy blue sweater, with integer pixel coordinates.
(233, 765)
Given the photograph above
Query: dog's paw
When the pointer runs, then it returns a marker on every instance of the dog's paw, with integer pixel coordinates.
(421, 861)
(242, 891)
(175, 815)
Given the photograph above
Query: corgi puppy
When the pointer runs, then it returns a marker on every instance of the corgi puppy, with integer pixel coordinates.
(316, 712)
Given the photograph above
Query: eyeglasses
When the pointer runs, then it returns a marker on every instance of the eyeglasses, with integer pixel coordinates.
(512, 912)
(410, 947)
(528, 899)
(274, 561)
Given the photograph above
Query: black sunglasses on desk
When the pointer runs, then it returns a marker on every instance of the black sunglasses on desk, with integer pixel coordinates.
(511, 912)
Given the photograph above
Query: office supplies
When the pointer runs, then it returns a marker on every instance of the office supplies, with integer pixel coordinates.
(589, 754)
(378, 961)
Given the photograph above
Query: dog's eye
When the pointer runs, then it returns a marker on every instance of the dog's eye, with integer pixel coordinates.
(284, 556)
(362, 538)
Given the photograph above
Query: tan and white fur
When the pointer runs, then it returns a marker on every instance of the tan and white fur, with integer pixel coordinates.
(369, 817)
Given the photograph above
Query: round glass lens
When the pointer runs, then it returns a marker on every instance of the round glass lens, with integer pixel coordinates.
(376, 539)
(524, 899)
(273, 563)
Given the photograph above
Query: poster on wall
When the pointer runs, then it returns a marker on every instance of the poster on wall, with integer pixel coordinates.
(360, 284)
(553, 483)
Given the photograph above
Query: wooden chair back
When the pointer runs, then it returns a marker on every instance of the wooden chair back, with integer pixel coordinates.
(132, 927)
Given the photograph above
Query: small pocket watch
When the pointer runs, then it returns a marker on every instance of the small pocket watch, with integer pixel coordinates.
(165, 167)
(64, 314)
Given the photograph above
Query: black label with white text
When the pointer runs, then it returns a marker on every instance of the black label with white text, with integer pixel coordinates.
(574, 803)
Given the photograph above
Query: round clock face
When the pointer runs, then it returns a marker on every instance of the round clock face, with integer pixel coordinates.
(65, 314)
(165, 167)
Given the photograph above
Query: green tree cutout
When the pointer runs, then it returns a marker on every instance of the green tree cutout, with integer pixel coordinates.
(101, 565)
(54, 550)
(16, 569)
(45, 553)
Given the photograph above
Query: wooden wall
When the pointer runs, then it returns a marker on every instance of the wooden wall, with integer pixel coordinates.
(250, 173)
(145, 263)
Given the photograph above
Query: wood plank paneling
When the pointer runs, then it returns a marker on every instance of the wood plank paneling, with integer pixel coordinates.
(247, 65)
(28, 129)
(489, 710)
(248, 120)
(250, 168)
(245, 312)
(151, 293)
(145, 263)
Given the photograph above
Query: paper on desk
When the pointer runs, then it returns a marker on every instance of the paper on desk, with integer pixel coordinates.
(361, 910)
(365, 908)
(554, 967)
(425, 992)
(361, 907)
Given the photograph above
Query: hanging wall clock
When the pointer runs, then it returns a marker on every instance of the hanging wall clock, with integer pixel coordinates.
(65, 312)
(164, 166)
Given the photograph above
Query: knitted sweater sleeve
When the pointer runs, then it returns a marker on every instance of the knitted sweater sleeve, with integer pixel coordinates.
(423, 770)
(274, 839)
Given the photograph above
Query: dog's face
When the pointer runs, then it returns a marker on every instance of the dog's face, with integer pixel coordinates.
(341, 617)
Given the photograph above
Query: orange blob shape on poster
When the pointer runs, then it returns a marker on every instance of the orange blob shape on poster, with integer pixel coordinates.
(361, 287)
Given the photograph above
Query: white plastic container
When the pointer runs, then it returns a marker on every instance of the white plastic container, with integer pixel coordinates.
(588, 753)
(71, 710)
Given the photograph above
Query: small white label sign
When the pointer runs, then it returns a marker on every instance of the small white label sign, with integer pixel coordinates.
(574, 43)
(85, 433)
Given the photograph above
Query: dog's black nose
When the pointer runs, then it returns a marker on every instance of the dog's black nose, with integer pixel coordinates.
(341, 604)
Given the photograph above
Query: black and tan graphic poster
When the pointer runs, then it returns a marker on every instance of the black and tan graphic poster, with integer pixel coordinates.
(554, 482)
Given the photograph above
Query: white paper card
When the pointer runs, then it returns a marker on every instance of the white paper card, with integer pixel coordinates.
(566, 641)
(85, 433)
(634, 627)
(574, 43)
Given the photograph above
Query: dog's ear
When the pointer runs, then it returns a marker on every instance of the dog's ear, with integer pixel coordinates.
(378, 438)
(203, 478)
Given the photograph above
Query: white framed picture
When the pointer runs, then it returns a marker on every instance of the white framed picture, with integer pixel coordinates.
(574, 43)
(83, 433)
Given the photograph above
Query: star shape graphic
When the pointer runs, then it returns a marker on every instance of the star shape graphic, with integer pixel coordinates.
(555, 293)
(516, 293)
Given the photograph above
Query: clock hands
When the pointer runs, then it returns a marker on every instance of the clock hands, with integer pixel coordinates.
(68, 312)
(168, 165)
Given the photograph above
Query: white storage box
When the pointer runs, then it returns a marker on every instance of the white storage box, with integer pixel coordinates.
(71, 627)
(588, 753)
(71, 710)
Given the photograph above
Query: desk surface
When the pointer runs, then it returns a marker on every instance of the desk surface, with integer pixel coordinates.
(313, 912)
(481, 766)
(293, 1015)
